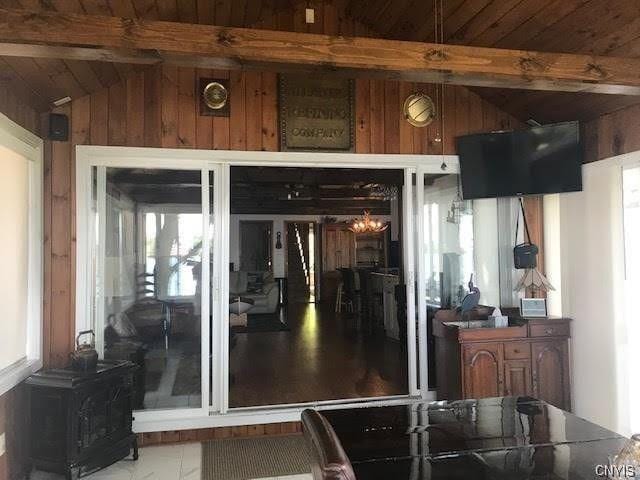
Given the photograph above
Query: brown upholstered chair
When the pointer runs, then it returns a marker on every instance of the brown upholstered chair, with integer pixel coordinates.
(328, 459)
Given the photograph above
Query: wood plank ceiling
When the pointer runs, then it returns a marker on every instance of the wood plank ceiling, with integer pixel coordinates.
(604, 27)
(600, 27)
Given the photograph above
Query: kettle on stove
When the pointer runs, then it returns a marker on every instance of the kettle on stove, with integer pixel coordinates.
(85, 357)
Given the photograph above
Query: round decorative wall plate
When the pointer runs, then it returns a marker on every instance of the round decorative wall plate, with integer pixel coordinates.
(419, 110)
(215, 95)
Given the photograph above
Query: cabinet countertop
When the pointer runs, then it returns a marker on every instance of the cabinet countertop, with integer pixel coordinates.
(519, 327)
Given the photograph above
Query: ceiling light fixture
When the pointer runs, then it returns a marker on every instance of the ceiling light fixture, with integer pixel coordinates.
(459, 207)
(366, 224)
(62, 101)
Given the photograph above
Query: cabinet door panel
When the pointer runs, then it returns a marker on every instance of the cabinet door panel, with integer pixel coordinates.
(483, 370)
(551, 372)
(338, 248)
(517, 377)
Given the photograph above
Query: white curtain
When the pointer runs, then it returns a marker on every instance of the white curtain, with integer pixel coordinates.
(591, 258)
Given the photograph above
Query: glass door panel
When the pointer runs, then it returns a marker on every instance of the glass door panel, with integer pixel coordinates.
(148, 306)
(447, 252)
(316, 304)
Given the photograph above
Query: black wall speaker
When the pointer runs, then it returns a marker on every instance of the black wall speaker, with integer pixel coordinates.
(58, 127)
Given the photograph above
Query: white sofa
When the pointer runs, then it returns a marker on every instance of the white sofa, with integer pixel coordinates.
(258, 286)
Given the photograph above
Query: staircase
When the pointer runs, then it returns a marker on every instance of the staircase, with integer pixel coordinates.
(298, 275)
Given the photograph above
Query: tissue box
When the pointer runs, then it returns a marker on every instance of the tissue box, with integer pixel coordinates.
(500, 321)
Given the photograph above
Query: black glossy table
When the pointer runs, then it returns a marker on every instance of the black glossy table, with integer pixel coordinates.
(494, 438)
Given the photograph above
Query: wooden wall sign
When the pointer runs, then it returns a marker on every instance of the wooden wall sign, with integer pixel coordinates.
(316, 113)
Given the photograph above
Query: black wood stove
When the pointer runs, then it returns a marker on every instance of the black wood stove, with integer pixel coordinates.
(81, 421)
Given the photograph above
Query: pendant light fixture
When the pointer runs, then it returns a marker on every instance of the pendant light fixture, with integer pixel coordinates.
(438, 34)
(366, 224)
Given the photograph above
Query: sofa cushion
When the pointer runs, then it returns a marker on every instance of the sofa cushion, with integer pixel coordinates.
(259, 299)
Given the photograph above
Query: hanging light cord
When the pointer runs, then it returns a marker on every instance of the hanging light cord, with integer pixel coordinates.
(438, 34)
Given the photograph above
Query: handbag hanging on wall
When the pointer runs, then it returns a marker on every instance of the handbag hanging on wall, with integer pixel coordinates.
(525, 255)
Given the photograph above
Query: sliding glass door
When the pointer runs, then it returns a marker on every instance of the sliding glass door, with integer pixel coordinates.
(152, 240)
(236, 280)
(317, 285)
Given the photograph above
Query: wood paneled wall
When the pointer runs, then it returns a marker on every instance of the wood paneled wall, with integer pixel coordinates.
(19, 112)
(205, 434)
(159, 108)
(12, 404)
(612, 134)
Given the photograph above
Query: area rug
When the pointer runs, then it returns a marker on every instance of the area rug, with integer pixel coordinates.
(247, 458)
(267, 322)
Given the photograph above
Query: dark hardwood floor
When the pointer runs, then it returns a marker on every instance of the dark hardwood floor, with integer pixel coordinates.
(323, 357)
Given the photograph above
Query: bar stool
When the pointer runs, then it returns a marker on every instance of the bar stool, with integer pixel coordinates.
(343, 300)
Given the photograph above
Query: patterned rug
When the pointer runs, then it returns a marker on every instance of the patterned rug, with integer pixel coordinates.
(261, 323)
(260, 457)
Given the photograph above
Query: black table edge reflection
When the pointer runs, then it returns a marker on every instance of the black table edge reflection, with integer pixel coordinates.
(495, 438)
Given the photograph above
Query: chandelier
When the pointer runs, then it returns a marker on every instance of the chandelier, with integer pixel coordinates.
(366, 224)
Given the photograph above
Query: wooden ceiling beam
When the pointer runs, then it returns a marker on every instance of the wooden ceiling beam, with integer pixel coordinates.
(86, 37)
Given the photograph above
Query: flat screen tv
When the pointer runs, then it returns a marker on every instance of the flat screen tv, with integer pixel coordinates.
(546, 159)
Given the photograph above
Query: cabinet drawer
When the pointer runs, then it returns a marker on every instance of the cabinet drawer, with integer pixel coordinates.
(549, 330)
(517, 351)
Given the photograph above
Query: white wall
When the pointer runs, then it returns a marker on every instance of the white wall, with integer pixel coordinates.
(279, 256)
(553, 252)
(589, 251)
(14, 247)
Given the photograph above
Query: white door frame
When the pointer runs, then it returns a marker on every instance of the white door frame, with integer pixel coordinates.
(220, 161)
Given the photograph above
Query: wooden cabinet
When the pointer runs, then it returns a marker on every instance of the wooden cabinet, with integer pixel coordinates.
(338, 247)
(550, 373)
(341, 248)
(530, 358)
(371, 249)
(483, 376)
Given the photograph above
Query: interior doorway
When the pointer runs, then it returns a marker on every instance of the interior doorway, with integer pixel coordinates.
(301, 264)
(256, 241)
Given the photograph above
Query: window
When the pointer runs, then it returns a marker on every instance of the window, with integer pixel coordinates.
(449, 242)
(172, 247)
(20, 253)
(631, 221)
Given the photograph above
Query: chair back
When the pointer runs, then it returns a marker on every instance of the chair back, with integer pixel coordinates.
(348, 281)
(328, 459)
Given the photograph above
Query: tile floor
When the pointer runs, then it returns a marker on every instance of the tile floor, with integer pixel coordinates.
(163, 462)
